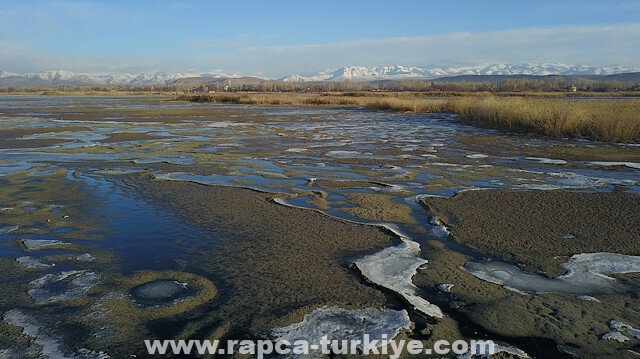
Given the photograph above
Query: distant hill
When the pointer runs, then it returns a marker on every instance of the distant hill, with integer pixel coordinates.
(491, 73)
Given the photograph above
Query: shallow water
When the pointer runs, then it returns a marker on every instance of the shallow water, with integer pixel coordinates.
(316, 157)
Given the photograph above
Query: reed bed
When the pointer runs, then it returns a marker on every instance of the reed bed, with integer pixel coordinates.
(610, 120)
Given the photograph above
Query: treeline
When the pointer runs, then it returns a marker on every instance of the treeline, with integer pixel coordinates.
(545, 85)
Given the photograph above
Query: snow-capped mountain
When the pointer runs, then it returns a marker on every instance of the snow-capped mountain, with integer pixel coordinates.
(372, 73)
(352, 73)
(62, 77)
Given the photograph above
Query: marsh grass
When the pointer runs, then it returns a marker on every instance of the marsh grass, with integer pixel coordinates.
(600, 119)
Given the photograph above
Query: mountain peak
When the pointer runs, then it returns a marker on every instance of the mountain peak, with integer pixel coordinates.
(351, 73)
(398, 72)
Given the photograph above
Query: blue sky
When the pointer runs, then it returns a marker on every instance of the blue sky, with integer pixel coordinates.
(278, 38)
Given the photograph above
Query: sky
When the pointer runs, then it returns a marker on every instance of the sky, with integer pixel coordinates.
(278, 38)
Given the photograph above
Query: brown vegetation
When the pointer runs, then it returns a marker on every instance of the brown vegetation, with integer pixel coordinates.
(596, 119)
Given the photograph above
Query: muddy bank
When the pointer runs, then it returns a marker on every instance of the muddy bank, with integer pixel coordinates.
(541, 228)
(278, 260)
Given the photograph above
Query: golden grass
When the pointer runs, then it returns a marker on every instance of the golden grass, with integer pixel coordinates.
(610, 120)
(600, 120)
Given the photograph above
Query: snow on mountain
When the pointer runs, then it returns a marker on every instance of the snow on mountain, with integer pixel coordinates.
(62, 77)
(351, 73)
(361, 73)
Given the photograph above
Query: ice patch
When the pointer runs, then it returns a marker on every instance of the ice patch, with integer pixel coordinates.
(627, 164)
(63, 286)
(161, 292)
(341, 324)
(476, 155)
(439, 229)
(393, 268)
(8, 229)
(445, 287)
(567, 180)
(587, 273)
(33, 244)
(86, 257)
(117, 171)
(588, 298)
(547, 161)
(481, 350)
(620, 326)
(296, 150)
(45, 345)
(615, 336)
(160, 289)
(344, 154)
(30, 262)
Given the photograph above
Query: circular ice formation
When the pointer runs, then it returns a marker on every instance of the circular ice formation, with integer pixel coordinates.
(161, 292)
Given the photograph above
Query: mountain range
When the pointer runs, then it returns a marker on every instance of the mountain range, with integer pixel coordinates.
(351, 73)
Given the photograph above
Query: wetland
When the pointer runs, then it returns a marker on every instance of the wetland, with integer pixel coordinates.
(139, 217)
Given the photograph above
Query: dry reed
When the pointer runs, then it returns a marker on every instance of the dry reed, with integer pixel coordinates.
(610, 120)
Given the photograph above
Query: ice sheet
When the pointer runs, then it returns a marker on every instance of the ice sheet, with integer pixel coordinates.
(587, 273)
(393, 268)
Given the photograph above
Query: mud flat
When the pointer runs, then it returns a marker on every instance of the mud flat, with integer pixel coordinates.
(541, 229)
(286, 260)
(536, 231)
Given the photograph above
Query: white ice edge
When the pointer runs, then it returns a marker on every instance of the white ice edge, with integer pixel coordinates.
(587, 273)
